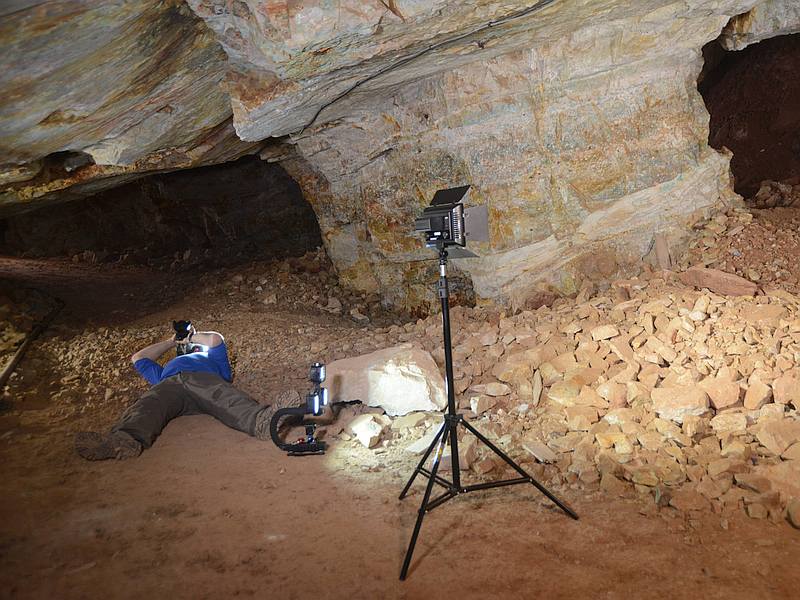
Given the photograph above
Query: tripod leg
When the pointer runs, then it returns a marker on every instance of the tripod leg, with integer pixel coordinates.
(422, 462)
(520, 470)
(423, 507)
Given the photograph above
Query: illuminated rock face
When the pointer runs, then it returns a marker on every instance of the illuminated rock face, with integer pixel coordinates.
(578, 122)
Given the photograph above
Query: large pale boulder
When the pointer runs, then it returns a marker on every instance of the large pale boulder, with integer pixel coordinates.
(399, 380)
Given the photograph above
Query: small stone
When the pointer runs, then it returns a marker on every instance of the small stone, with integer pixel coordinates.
(358, 317)
(422, 444)
(786, 389)
(675, 403)
(757, 511)
(564, 392)
(719, 282)
(366, 430)
(536, 388)
(612, 485)
(753, 482)
(736, 450)
(480, 404)
(729, 422)
(604, 332)
(793, 512)
(483, 466)
(722, 392)
(495, 388)
(618, 440)
(688, 499)
(270, 299)
(408, 421)
(540, 451)
(334, 306)
(646, 477)
(776, 436)
(580, 418)
(757, 395)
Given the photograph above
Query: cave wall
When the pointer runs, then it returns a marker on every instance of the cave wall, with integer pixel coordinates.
(578, 122)
(243, 210)
(584, 149)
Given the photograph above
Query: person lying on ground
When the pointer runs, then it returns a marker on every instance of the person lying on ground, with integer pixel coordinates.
(198, 382)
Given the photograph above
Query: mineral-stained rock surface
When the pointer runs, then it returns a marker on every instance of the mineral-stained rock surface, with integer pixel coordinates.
(577, 123)
(766, 19)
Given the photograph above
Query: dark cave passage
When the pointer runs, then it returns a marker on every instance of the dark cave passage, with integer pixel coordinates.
(212, 216)
(753, 96)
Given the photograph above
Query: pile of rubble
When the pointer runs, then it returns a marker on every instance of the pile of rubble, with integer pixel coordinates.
(772, 194)
(760, 245)
(307, 282)
(684, 395)
(679, 386)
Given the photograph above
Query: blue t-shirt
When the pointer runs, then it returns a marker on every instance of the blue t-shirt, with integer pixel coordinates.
(215, 361)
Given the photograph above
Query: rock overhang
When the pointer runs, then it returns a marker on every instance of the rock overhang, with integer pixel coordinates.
(577, 122)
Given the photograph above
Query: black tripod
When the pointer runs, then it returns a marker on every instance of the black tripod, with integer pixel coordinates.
(449, 432)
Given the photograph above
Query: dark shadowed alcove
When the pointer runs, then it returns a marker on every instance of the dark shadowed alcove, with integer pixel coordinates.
(753, 96)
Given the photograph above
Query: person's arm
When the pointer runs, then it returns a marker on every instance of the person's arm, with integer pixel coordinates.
(211, 339)
(153, 351)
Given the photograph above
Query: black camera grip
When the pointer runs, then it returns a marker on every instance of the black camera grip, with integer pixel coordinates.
(274, 423)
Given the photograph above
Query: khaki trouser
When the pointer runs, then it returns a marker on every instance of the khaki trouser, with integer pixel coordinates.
(188, 393)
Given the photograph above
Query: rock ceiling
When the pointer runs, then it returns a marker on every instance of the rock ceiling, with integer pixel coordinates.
(577, 121)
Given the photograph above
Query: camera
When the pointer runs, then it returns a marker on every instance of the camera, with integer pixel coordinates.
(183, 329)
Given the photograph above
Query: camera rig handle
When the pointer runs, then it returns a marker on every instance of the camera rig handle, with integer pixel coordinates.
(308, 445)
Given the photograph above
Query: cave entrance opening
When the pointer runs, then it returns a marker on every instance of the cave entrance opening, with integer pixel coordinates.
(168, 228)
(753, 97)
(210, 216)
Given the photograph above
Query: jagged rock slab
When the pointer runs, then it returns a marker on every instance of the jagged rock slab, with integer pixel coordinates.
(718, 281)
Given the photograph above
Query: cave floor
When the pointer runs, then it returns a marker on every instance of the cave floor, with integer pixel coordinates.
(211, 513)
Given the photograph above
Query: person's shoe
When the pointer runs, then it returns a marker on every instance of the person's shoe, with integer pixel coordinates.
(95, 446)
(286, 399)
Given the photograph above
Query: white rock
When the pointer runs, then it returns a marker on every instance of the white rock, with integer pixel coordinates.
(366, 430)
(495, 388)
(400, 380)
(480, 404)
(539, 451)
(422, 443)
(408, 421)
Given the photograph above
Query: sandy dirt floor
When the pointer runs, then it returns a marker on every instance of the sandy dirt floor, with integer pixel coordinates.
(211, 513)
